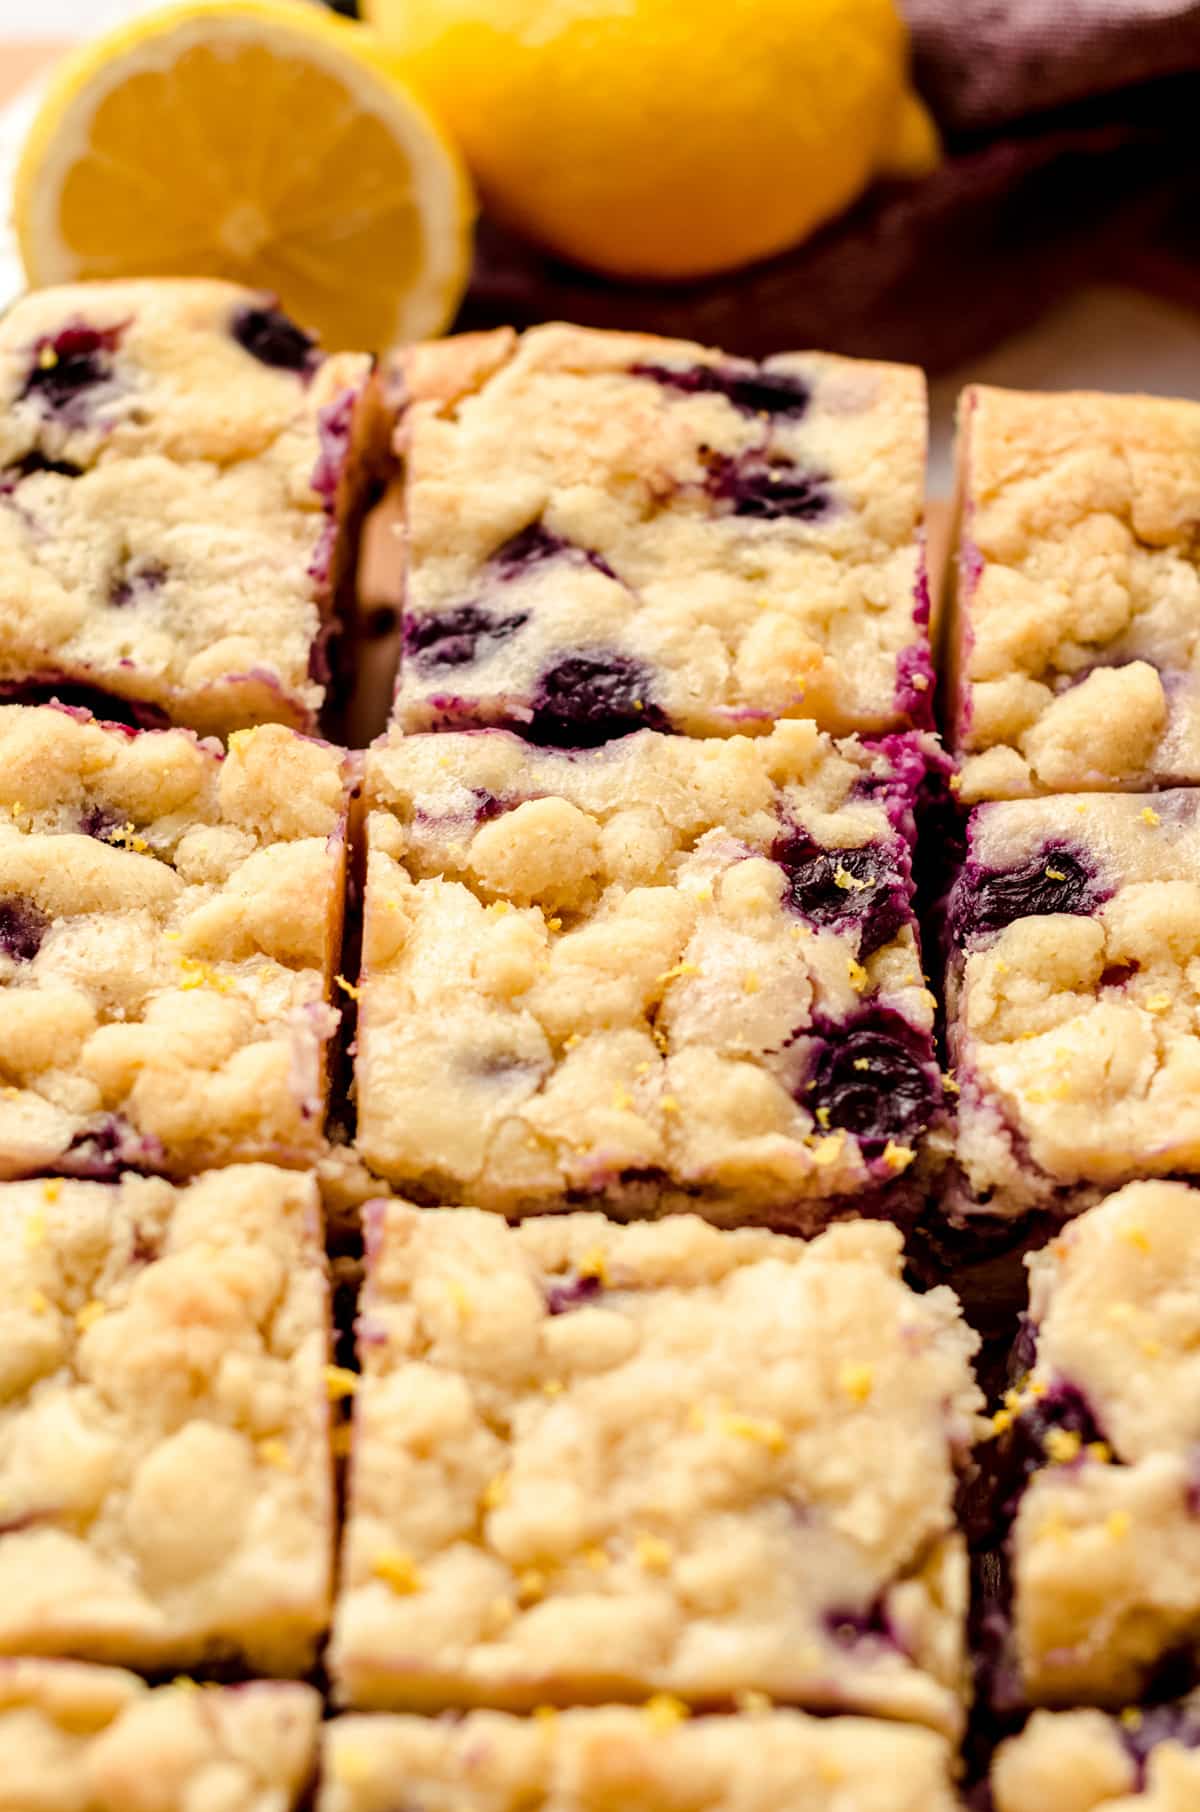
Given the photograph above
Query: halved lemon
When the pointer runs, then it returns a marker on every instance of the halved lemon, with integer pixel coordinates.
(260, 140)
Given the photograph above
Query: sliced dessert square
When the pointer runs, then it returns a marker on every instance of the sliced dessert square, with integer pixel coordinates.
(75, 1738)
(1072, 998)
(165, 1488)
(170, 922)
(1085, 1761)
(1094, 1457)
(607, 531)
(596, 1462)
(181, 475)
(1074, 647)
(644, 1760)
(659, 974)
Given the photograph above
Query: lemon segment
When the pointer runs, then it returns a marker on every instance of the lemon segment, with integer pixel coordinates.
(666, 138)
(258, 140)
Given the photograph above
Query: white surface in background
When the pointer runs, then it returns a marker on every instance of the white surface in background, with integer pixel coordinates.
(1101, 339)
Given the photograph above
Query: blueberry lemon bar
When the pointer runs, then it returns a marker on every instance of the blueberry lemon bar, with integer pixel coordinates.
(75, 1738)
(599, 1462)
(170, 919)
(655, 974)
(1085, 1761)
(607, 531)
(1072, 998)
(1075, 641)
(1095, 1456)
(165, 1490)
(181, 470)
(619, 1759)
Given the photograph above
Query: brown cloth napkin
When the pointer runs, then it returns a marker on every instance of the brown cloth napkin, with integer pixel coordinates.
(1071, 137)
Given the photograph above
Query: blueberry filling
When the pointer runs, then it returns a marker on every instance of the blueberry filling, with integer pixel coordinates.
(848, 888)
(335, 423)
(535, 544)
(100, 1153)
(767, 489)
(1158, 1724)
(32, 463)
(748, 387)
(1024, 1449)
(134, 581)
(488, 805)
(455, 638)
(1054, 880)
(23, 927)
(872, 1079)
(849, 1628)
(97, 821)
(65, 364)
(270, 337)
(1115, 975)
(588, 699)
(563, 1297)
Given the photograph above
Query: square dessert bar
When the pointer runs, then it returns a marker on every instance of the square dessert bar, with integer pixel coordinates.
(658, 974)
(1083, 1761)
(597, 1462)
(1074, 656)
(1095, 1456)
(75, 1738)
(170, 920)
(608, 531)
(645, 1760)
(1073, 998)
(181, 472)
(165, 1476)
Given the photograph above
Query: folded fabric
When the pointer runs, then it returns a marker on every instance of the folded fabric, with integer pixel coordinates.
(983, 62)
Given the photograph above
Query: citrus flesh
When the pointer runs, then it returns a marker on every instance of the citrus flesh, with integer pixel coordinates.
(258, 140)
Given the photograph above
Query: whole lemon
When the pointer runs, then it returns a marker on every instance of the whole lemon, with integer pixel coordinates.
(666, 138)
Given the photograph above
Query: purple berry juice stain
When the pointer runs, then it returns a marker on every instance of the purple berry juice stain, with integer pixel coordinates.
(66, 365)
(23, 928)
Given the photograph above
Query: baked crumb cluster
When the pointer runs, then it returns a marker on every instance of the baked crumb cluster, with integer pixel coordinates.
(1072, 997)
(165, 1481)
(609, 530)
(658, 974)
(1075, 644)
(1089, 1762)
(75, 1738)
(170, 920)
(1095, 1446)
(178, 466)
(618, 1759)
(600, 1462)
(668, 1511)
